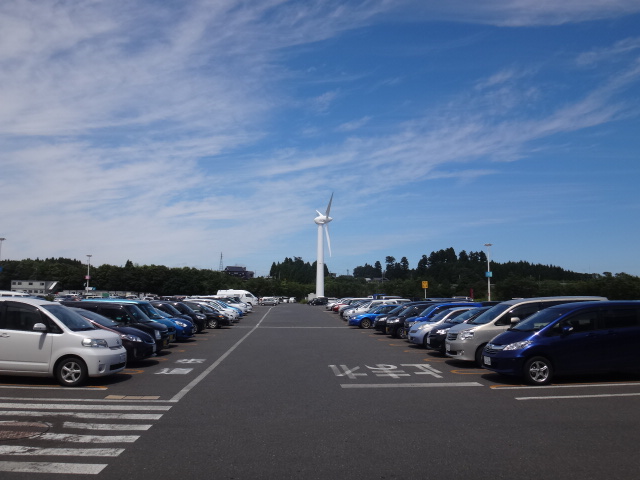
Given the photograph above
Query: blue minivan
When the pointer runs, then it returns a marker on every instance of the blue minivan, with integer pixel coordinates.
(572, 338)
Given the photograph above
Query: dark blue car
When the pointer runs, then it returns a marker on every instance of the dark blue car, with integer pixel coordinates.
(572, 338)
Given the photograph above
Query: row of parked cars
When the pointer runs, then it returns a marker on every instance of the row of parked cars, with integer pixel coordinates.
(73, 339)
(532, 338)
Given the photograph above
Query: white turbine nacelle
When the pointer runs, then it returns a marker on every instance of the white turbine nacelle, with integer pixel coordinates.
(322, 221)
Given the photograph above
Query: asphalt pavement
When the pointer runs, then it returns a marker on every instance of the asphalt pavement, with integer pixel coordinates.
(291, 392)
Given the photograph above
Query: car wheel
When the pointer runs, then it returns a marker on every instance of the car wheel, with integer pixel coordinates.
(71, 372)
(479, 355)
(212, 323)
(365, 323)
(424, 341)
(538, 371)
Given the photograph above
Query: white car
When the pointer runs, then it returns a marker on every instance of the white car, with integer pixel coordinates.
(268, 301)
(45, 339)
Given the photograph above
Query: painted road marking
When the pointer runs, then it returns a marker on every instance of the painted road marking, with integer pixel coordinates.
(410, 385)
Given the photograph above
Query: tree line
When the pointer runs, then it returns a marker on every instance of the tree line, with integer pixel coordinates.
(447, 273)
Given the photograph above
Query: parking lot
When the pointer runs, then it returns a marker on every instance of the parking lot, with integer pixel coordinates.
(292, 392)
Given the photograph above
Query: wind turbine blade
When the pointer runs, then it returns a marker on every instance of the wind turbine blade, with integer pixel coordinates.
(329, 206)
(326, 231)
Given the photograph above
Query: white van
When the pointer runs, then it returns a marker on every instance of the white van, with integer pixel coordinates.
(244, 295)
(10, 293)
(46, 339)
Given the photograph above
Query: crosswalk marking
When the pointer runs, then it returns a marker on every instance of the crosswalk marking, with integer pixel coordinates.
(73, 418)
(105, 426)
(120, 416)
(49, 467)
(67, 437)
(74, 407)
(73, 452)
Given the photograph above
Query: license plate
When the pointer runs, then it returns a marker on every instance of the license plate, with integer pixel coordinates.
(487, 360)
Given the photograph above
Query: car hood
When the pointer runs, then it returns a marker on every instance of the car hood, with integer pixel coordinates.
(505, 338)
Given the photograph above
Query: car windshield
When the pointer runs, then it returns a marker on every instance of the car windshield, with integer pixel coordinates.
(441, 315)
(537, 321)
(72, 320)
(490, 314)
(96, 317)
(427, 310)
(468, 315)
(149, 311)
(138, 315)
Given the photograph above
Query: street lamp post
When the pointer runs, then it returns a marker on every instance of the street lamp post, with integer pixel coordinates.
(1, 240)
(88, 273)
(488, 245)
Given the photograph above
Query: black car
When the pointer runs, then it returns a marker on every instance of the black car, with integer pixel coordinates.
(139, 344)
(392, 324)
(215, 319)
(318, 301)
(198, 319)
(128, 315)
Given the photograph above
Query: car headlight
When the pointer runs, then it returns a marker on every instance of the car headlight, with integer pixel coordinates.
(95, 343)
(181, 324)
(467, 334)
(422, 327)
(131, 338)
(157, 334)
(442, 331)
(393, 321)
(518, 345)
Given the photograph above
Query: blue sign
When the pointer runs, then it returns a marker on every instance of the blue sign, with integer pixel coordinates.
(488, 274)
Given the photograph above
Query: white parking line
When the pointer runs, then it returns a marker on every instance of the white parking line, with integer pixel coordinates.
(212, 367)
(569, 397)
(410, 385)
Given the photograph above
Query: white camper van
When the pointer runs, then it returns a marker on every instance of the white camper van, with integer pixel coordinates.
(244, 295)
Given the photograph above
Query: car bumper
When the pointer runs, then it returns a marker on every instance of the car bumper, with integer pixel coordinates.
(460, 350)
(103, 363)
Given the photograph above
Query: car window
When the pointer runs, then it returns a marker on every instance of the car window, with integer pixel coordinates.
(18, 316)
(620, 317)
(520, 311)
(71, 319)
(579, 323)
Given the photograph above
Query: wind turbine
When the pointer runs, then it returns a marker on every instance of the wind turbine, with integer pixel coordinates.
(322, 220)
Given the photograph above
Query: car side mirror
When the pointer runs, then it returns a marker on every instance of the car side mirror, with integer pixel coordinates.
(40, 327)
(514, 320)
(567, 329)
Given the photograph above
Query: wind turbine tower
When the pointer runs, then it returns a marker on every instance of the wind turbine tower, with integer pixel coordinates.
(322, 221)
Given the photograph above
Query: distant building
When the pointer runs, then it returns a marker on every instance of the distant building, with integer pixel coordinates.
(240, 272)
(35, 287)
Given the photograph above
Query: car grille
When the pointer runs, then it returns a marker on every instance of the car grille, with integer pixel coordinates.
(117, 366)
(452, 336)
(490, 348)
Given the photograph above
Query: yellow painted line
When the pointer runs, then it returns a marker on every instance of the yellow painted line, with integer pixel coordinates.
(461, 372)
(131, 371)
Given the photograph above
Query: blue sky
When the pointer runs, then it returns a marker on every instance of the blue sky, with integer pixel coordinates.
(171, 132)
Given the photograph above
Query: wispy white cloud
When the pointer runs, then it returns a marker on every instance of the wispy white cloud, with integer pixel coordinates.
(139, 129)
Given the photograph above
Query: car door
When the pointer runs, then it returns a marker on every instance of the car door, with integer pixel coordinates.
(576, 343)
(21, 348)
(620, 336)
